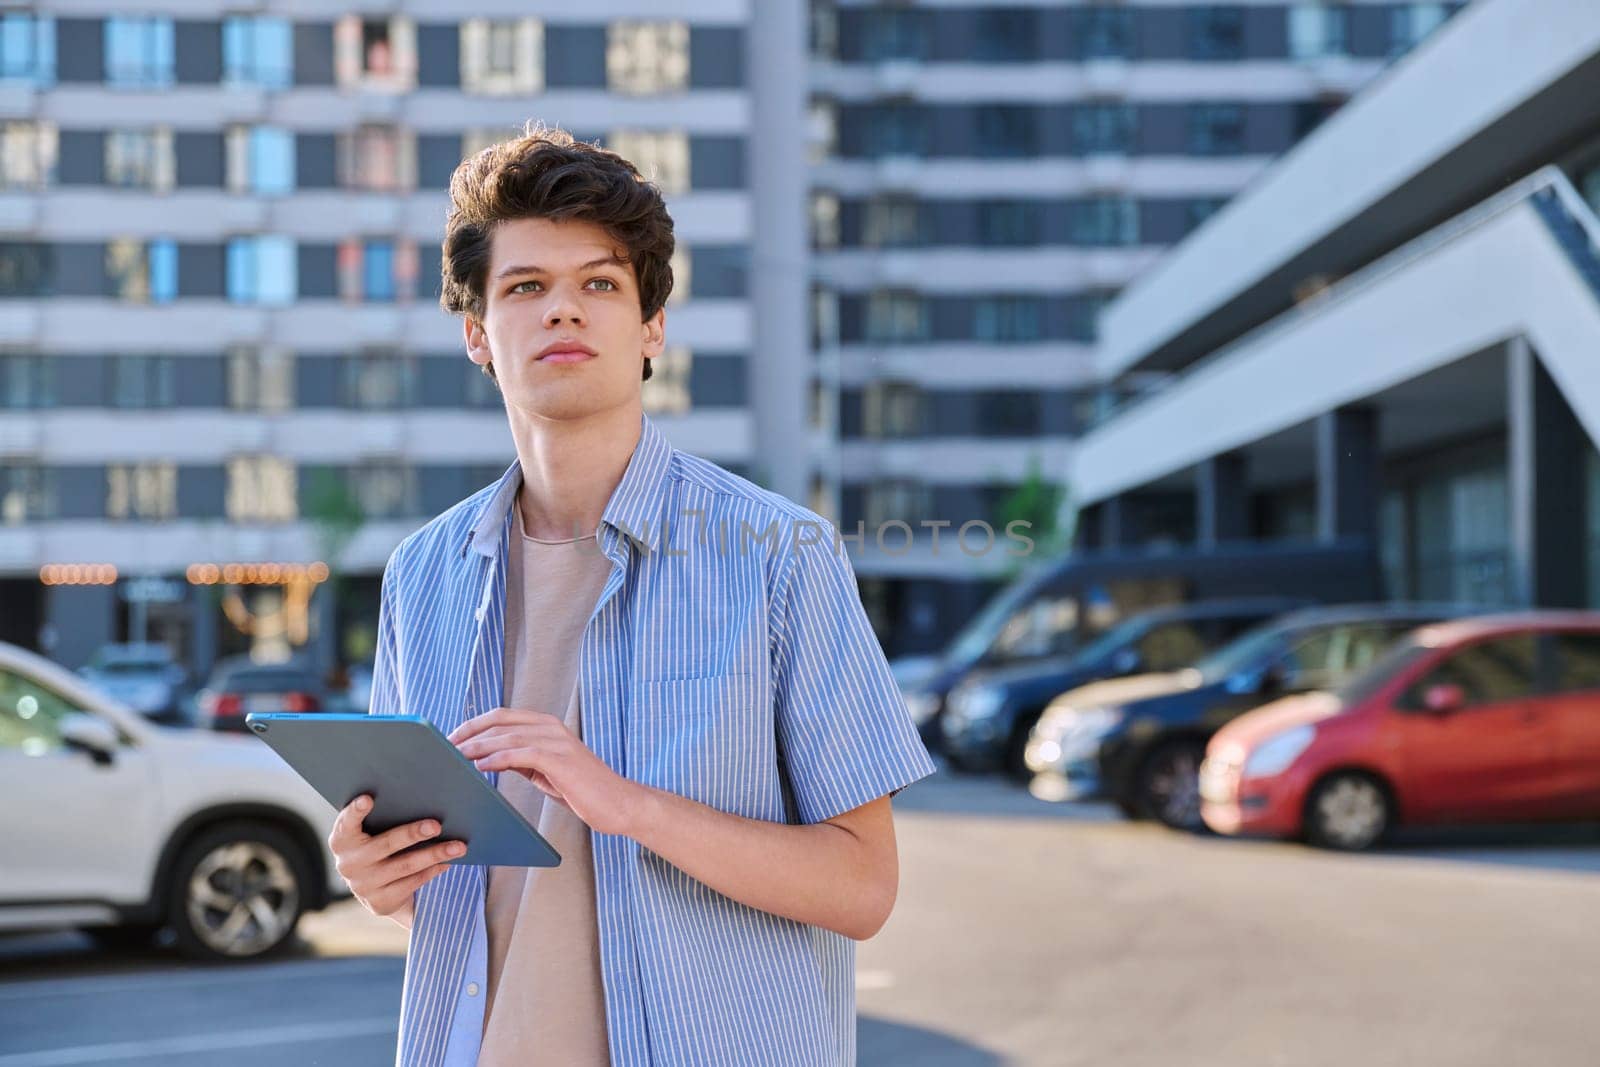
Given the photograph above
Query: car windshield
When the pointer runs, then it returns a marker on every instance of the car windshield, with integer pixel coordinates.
(978, 635)
(1107, 644)
(131, 666)
(1365, 684)
(268, 680)
(1248, 649)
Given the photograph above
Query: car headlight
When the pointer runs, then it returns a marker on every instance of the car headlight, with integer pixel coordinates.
(1276, 753)
(1065, 723)
(976, 702)
(923, 705)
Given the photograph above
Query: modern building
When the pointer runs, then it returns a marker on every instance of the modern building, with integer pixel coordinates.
(1391, 333)
(987, 177)
(224, 376)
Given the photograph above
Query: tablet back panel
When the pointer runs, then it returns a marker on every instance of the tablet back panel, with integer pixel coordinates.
(412, 772)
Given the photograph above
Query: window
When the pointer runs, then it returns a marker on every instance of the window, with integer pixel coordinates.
(482, 391)
(380, 159)
(1309, 114)
(1107, 221)
(1006, 131)
(662, 156)
(385, 489)
(140, 159)
(825, 221)
(143, 382)
(1197, 210)
(824, 29)
(30, 715)
(378, 380)
(1007, 35)
(260, 379)
(147, 490)
(260, 489)
(1216, 129)
(1006, 318)
(647, 57)
(1102, 129)
(27, 491)
(27, 154)
(893, 33)
(27, 49)
(258, 51)
(143, 272)
(375, 53)
(24, 268)
(262, 270)
(1489, 672)
(502, 57)
(667, 391)
(261, 160)
(1171, 647)
(1216, 33)
(891, 221)
(1103, 32)
(1318, 30)
(896, 130)
(138, 52)
(377, 270)
(1579, 662)
(896, 316)
(475, 140)
(822, 131)
(892, 409)
(1008, 222)
(1410, 23)
(27, 381)
(895, 500)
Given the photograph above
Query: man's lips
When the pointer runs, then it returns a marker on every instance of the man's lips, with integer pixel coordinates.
(566, 352)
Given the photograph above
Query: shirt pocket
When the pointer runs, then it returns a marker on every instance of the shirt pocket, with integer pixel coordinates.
(709, 738)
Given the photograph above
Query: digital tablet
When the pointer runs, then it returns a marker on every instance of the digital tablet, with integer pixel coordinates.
(412, 772)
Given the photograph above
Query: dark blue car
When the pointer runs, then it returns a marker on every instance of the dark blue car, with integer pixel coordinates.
(1142, 750)
(991, 713)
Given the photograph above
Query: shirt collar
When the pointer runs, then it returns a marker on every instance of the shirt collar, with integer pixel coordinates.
(634, 509)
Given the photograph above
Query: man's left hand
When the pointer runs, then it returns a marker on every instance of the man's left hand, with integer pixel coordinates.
(541, 748)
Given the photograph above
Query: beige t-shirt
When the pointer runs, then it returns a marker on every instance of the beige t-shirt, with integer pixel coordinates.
(545, 1003)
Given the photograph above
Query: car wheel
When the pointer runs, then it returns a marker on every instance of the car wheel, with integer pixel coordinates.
(237, 892)
(1169, 784)
(1348, 811)
(130, 937)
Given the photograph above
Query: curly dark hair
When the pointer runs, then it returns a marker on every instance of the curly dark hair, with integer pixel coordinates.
(546, 174)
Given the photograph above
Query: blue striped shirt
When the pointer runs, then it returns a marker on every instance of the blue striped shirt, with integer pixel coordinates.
(728, 660)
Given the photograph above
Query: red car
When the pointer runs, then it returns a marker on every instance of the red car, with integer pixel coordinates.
(1491, 719)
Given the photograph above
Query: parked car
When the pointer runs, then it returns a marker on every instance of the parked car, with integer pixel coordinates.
(992, 712)
(1475, 721)
(1058, 608)
(1142, 748)
(358, 695)
(142, 675)
(238, 685)
(122, 826)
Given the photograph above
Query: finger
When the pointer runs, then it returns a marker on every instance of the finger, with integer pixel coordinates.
(408, 863)
(389, 842)
(395, 895)
(495, 739)
(347, 828)
(506, 758)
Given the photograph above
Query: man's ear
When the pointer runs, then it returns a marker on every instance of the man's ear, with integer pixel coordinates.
(477, 341)
(654, 334)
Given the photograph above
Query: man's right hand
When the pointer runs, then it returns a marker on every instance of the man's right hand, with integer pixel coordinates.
(381, 880)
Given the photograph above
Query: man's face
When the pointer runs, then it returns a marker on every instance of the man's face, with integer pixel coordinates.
(562, 320)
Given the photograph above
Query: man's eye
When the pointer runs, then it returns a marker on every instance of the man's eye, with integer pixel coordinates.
(518, 287)
(607, 282)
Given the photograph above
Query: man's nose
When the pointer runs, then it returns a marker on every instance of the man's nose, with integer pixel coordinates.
(563, 310)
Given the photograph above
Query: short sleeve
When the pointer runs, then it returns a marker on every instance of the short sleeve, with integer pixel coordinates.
(845, 735)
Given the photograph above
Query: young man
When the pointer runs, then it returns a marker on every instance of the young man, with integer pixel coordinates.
(665, 667)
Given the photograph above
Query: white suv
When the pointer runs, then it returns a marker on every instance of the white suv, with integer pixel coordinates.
(121, 826)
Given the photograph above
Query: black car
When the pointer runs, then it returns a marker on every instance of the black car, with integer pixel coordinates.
(990, 714)
(1058, 608)
(1143, 749)
(239, 685)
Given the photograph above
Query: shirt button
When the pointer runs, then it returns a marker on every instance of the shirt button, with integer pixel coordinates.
(472, 989)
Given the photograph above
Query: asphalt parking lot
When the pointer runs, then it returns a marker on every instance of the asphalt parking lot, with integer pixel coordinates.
(1026, 933)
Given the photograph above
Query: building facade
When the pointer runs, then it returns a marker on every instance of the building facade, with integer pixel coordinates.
(1391, 334)
(987, 177)
(221, 356)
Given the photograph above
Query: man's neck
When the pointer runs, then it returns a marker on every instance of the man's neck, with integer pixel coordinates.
(570, 468)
